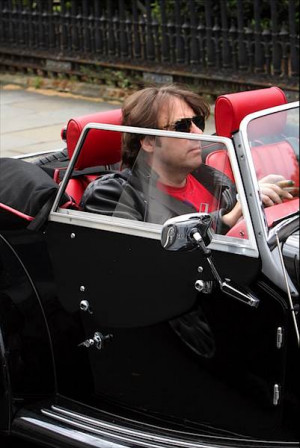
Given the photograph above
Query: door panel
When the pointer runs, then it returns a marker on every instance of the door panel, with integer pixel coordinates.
(174, 354)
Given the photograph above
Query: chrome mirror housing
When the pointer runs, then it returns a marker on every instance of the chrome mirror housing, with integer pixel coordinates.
(187, 232)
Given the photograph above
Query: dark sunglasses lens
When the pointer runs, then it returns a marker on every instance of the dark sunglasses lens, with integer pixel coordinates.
(199, 122)
(183, 125)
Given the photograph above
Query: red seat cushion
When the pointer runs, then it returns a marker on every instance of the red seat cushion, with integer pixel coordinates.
(77, 186)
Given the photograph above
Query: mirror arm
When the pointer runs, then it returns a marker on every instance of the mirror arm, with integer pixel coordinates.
(244, 296)
(195, 234)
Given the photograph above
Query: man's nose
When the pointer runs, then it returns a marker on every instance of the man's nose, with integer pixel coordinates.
(195, 130)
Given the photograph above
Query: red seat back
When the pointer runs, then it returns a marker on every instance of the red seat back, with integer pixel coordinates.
(232, 108)
(219, 159)
(100, 148)
(229, 112)
(276, 158)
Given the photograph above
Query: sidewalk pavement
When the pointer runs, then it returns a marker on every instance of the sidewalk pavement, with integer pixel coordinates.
(31, 119)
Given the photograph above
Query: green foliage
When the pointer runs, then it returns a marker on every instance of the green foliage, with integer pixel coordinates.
(232, 8)
(37, 82)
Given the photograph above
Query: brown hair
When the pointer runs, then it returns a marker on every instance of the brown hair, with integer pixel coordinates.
(141, 110)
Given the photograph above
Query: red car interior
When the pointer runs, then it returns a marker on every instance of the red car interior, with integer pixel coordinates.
(101, 148)
(229, 112)
(232, 108)
(272, 158)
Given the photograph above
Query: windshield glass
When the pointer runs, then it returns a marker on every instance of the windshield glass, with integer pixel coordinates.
(274, 145)
(170, 176)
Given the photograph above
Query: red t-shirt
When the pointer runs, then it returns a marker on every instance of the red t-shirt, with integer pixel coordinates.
(193, 193)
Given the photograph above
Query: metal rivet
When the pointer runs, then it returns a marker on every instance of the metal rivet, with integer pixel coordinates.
(82, 288)
(199, 285)
(72, 235)
(84, 305)
(200, 269)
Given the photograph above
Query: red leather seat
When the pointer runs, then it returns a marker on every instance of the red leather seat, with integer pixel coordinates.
(276, 158)
(232, 108)
(229, 112)
(219, 159)
(272, 158)
(100, 148)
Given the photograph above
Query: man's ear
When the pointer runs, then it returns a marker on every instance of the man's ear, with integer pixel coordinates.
(148, 144)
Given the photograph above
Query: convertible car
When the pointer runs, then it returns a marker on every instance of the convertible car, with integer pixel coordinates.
(119, 332)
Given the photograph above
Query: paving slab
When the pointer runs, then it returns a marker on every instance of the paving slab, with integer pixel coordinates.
(31, 121)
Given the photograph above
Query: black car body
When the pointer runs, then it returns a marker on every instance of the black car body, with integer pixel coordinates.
(117, 333)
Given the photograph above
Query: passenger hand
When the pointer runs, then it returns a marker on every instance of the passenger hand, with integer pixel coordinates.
(273, 189)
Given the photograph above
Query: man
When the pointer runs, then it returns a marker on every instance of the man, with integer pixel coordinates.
(163, 176)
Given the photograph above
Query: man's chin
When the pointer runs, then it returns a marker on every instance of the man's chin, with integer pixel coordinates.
(196, 162)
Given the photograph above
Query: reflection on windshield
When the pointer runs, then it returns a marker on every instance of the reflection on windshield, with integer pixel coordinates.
(175, 176)
(274, 143)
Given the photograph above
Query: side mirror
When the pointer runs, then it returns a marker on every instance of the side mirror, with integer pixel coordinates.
(192, 231)
(187, 232)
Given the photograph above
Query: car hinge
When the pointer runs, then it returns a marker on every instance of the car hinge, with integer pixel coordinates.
(276, 394)
(279, 337)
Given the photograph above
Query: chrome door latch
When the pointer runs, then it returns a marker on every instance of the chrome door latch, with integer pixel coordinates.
(97, 341)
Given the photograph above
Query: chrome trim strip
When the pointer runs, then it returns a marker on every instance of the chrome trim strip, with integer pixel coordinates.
(36, 154)
(143, 230)
(66, 434)
(115, 430)
(108, 223)
(124, 434)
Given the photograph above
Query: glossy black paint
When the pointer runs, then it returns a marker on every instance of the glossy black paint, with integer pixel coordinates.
(153, 364)
(154, 369)
(291, 256)
(27, 363)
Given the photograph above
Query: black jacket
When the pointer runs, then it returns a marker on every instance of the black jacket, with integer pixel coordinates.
(134, 195)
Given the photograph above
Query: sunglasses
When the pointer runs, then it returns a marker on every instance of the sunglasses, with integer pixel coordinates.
(184, 125)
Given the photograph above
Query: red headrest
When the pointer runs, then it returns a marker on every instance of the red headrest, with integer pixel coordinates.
(231, 109)
(100, 147)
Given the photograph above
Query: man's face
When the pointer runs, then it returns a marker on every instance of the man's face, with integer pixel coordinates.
(171, 156)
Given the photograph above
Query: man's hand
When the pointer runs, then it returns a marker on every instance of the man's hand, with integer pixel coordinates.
(272, 189)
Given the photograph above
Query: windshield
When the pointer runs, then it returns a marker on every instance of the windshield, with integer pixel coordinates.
(274, 145)
(170, 176)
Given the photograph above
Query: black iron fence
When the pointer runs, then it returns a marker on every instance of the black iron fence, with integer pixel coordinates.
(215, 37)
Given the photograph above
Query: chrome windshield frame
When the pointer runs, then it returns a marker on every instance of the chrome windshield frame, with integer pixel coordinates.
(242, 139)
(236, 245)
(270, 258)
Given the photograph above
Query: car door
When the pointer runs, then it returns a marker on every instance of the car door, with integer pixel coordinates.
(133, 331)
